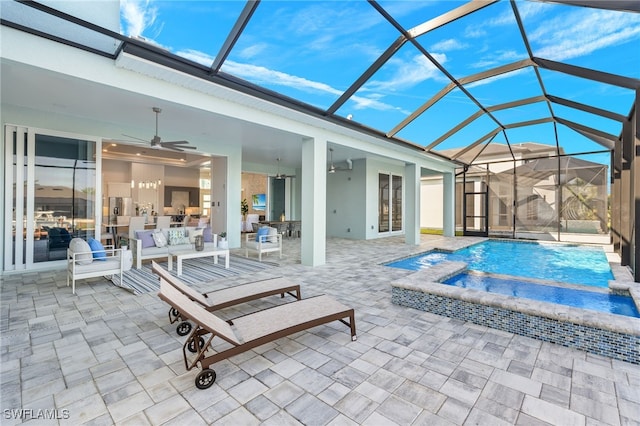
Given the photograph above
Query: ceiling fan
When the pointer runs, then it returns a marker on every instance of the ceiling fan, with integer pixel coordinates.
(156, 141)
(281, 175)
(333, 168)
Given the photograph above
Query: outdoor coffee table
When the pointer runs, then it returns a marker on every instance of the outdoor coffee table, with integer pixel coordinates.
(192, 253)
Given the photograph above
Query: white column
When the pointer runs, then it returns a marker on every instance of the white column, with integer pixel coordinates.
(449, 204)
(313, 242)
(412, 204)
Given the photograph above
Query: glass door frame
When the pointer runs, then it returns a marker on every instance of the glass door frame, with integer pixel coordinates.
(13, 258)
(386, 202)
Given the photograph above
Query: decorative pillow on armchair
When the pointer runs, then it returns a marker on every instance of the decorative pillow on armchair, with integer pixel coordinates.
(78, 245)
(262, 231)
(98, 250)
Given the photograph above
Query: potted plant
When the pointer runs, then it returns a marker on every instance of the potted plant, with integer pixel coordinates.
(244, 208)
(223, 244)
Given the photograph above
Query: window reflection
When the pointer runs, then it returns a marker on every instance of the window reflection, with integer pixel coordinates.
(64, 195)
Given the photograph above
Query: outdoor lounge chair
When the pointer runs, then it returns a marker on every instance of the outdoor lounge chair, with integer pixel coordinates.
(223, 298)
(249, 331)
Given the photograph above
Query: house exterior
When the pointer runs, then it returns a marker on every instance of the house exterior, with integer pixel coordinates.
(64, 104)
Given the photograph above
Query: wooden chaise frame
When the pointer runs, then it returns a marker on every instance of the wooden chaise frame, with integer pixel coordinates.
(226, 297)
(249, 331)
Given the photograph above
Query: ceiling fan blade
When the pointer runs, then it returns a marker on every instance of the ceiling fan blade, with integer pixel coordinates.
(176, 144)
(174, 148)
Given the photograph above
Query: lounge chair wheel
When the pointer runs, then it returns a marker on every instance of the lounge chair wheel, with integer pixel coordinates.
(192, 347)
(205, 378)
(175, 312)
(183, 328)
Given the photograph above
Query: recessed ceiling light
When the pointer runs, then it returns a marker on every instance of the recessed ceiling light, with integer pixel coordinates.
(137, 153)
(114, 144)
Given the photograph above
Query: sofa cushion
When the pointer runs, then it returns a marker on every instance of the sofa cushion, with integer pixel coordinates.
(154, 251)
(146, 237)
(98, 250)
(111, 265)
(160, 239)
(80, 246)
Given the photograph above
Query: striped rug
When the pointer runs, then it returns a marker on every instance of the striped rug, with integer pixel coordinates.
(194, 271)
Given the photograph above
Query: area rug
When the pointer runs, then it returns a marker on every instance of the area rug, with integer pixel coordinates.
(194, 271)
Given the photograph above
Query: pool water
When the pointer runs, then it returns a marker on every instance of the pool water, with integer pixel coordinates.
(604, 302)
(555, 262)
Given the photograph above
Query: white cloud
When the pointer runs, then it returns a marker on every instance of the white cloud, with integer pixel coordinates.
(498, 58)
(262, 75)
(252, 51)
(137, 16)
(448, 45)
(408, 74)
(583, 32)
(196, 56)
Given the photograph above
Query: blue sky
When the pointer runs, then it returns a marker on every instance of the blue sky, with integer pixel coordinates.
(313, 51)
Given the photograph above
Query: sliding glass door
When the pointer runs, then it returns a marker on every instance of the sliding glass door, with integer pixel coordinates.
(51, 184)
(389, 203)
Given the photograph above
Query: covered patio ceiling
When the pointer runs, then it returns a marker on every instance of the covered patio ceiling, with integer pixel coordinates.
(440, 77)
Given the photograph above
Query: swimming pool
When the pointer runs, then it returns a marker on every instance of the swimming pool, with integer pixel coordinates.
(555, 262)
(604, 302)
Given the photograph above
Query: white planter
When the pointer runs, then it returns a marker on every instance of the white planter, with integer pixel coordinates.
(223, 244)
(128, 259)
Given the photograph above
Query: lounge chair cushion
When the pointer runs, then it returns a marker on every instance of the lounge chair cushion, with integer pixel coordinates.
(146, 237)
(80, 246)
(98, 249)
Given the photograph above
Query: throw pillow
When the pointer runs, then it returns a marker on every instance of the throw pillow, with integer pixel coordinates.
(207, 235)
(261, 232)
(159, 239)
(98, 249)
(80, 246)
(177, 237)
(146, 237)
(194, 233)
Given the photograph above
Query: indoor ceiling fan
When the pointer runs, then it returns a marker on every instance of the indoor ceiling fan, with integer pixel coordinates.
(281, 175)
(157, 142)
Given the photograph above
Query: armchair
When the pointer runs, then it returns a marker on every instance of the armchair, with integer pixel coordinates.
(266, 240)
(83, 261)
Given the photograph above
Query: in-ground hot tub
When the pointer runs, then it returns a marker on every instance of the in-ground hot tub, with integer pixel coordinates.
(610, 335)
